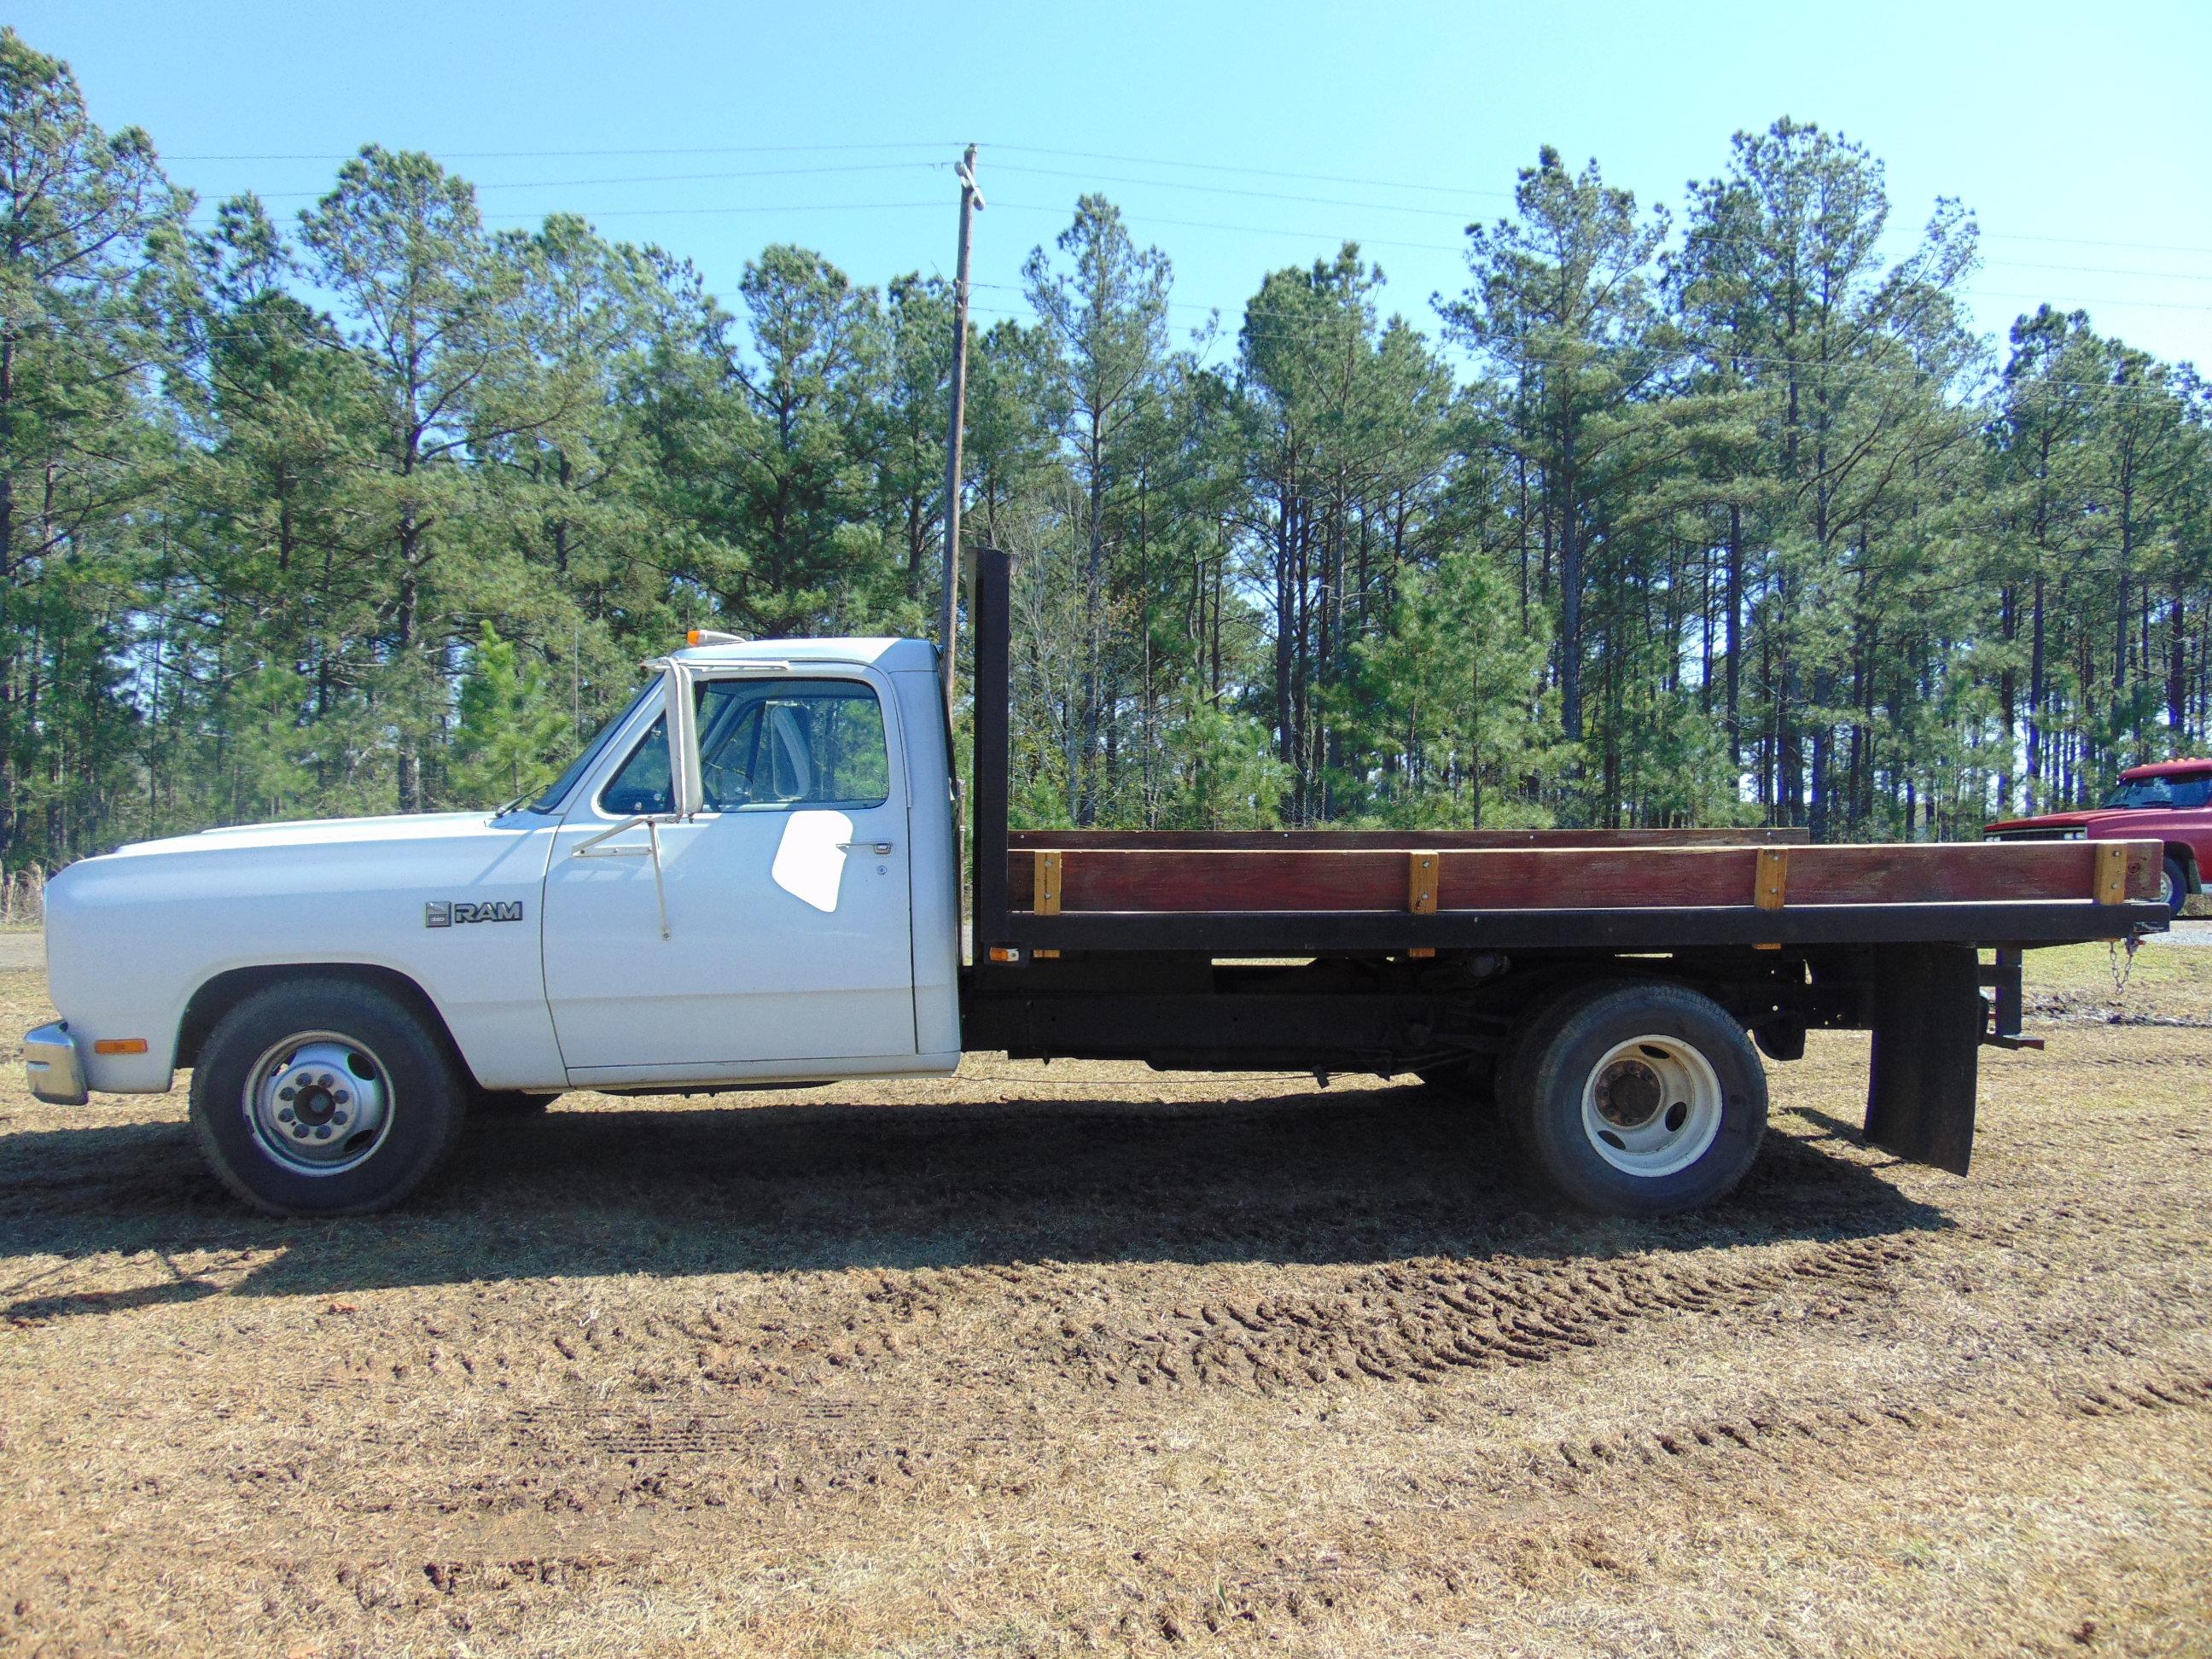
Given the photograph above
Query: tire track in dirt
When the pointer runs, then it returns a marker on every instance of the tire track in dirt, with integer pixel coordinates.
(774, 1440)
(1419, 1322)
(1427, 1322)
(1278, 1597)
(1257, 1591)
(1790, 1438)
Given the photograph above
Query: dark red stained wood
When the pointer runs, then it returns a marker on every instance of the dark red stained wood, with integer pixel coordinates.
(1243, 840)
(1174, 880)
(1976, 872)
(1570, 879)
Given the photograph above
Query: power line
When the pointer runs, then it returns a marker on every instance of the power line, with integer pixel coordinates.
(679, 212)
(1500, 194)
(1259, 173)
(544, 154)
(1254, 230)
(1173, 162)
(637, 178)
(1161, 184)
(1226, 189)
(1438, 247)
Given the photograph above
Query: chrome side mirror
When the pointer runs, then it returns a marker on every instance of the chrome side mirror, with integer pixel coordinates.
(680, 717)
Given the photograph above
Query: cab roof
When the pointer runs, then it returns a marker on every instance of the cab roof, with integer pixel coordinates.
(890, 655)
(2173, 769)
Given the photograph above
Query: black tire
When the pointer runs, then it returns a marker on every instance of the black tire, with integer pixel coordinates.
(1694, 1150)
(2177, 887)
(1517, 1060)
(393, 1052)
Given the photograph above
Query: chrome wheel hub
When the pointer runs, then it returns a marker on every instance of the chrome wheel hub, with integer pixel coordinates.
(319, 1103)
(1652, 1106)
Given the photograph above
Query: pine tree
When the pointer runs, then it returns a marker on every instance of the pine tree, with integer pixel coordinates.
(81, 214)
(510, 734)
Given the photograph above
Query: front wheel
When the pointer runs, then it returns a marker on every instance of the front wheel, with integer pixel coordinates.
(1637, 1099)
(324, 1097)
(2173, 887)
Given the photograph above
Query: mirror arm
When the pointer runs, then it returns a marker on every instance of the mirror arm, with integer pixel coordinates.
(592, 849)
(659, 887)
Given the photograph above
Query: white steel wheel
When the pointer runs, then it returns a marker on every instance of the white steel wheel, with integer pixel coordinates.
(319, 1103)
(1652, 1106)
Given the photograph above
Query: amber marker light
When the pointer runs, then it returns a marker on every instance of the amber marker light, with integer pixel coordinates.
(119, 1046)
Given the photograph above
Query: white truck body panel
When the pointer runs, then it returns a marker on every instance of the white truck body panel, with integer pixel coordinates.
(131, 936)
(755, 983)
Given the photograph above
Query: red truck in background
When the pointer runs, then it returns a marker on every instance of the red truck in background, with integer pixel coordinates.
(2170, 802)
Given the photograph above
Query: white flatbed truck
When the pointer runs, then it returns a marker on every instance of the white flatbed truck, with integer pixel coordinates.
(751, 877)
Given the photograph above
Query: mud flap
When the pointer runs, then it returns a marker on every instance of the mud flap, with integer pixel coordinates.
(1927, 1044)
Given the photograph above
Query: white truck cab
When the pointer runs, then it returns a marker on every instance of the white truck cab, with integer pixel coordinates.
(749, 876)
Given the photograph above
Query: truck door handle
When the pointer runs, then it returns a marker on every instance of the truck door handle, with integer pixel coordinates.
(879, 848)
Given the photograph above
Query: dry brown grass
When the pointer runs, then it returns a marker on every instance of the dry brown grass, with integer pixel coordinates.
(1083, 1358)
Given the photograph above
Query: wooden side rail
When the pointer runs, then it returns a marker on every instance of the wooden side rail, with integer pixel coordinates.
(1059, 879)
(1338, 840)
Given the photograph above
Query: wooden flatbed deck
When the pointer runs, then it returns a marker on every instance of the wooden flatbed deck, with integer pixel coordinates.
(1067, 874)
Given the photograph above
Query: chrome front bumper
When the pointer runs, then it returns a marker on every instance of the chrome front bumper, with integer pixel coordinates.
(53, 1066)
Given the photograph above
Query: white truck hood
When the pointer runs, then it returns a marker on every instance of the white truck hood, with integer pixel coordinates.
(130, 936)
(326, 832)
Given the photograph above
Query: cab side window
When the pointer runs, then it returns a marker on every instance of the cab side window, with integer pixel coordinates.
(642, 786)
(767, 745)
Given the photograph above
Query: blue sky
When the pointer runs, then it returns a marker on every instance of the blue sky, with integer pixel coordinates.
(1239, 139)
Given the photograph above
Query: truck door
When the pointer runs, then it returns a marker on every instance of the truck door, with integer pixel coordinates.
(788, 917)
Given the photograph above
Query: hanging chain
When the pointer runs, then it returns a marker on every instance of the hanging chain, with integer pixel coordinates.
(2122, 970)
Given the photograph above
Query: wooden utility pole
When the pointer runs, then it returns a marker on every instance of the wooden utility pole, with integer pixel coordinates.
(971, 203)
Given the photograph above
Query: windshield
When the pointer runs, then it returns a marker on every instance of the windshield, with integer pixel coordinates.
(558, 790)
(2194, 790)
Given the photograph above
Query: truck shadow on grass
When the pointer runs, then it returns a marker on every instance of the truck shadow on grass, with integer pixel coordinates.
(1350, 1175)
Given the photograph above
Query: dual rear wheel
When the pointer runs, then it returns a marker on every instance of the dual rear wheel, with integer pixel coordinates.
(1635, 1099)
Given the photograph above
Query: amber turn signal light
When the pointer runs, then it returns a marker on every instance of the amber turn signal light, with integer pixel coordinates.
(119, 1046)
